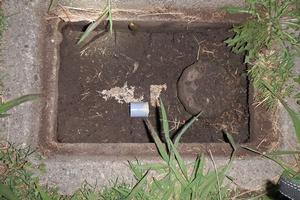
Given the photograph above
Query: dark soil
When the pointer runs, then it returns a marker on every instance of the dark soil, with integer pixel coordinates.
(142, 58)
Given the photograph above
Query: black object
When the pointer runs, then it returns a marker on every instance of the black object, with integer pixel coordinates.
(289, 188)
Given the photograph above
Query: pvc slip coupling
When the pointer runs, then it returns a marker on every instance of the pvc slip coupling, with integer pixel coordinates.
(139, 109)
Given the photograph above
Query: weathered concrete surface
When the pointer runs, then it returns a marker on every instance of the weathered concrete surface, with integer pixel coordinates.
(153, 4)
(20, 67)
(22, 63)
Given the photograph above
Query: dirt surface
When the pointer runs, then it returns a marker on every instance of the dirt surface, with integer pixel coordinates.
(98, 79)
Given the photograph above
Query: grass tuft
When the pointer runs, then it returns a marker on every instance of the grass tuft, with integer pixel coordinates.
(173, 179)
(269, 39)
(105, 14)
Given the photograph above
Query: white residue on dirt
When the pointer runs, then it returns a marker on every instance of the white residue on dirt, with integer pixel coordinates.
(122, 95)
(155, 91)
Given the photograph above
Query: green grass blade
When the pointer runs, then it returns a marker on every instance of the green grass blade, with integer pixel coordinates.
(160, 146)
(196, 166)
(194, 184)
(168, 193)
(180, 161)
(92, 196)
(53, 4)
(161, 185)
(236, 10)
(292, 24)
(178, 175)
(171, 146)
(154, 166)
(203, 185)
(234, 146)
(217, 175)
(165, 124)
(138, 187)
(110, 22)
(122, 192)
(138, 173)
(280, 163)
(199, 166)
(231, 141)
(43, 194)
(93, 25)
(6, 192)
(4, 107)
(283, 152)
(157, 184)
(211, 182)
(196, 176)
(184, 128)
(110, 18)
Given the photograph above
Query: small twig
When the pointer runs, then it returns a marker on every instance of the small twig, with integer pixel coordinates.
(52, 17)
(85, 95)
(127, 57)
(65, 11)
(4, 146)
(176, 124)
(247, 192)
(238, 111)
(259, 103)
(154, 14)
(262, 141)
(208, 52)
(199, 48)
(83, 51)
(81, 9)
(95, 116)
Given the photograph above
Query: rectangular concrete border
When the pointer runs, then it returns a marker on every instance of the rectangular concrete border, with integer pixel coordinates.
(47, 137)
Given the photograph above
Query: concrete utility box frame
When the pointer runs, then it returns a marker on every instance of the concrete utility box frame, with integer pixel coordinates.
(261, 130)
(31, 56)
